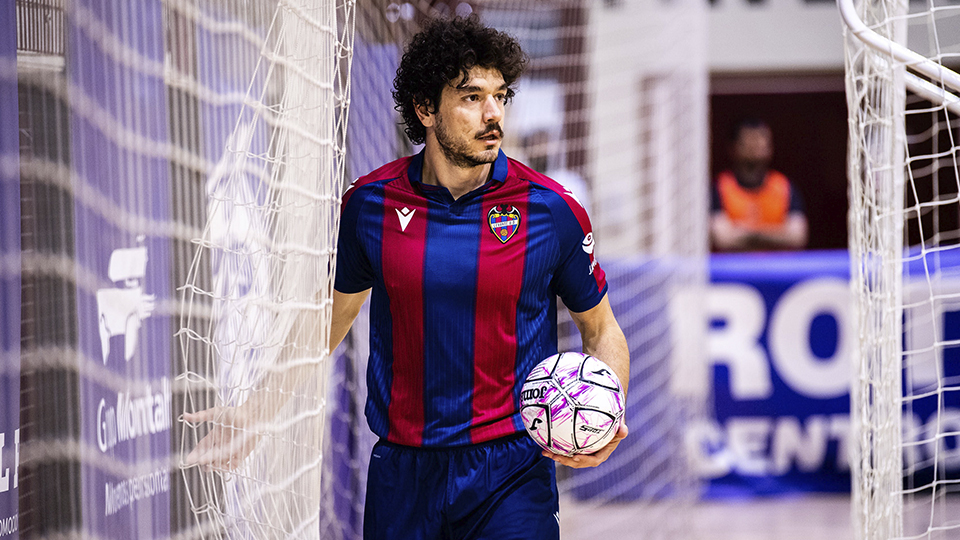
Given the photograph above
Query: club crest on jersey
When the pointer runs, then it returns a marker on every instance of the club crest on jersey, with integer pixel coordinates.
(504, 220)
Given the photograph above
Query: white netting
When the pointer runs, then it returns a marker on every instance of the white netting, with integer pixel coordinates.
(905, 256)
(172, 142)
(258, 297)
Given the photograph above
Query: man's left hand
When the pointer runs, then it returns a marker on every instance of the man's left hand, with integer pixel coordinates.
(581, 461)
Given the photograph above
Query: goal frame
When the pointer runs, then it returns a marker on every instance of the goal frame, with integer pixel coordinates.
(878, 179)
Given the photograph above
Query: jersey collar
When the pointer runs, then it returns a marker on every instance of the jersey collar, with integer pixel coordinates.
(415, 173)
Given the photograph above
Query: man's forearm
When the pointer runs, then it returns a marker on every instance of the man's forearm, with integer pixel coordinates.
(603, 339)
(611, 347)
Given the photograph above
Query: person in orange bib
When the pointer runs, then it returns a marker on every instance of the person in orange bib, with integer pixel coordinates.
(753, 206)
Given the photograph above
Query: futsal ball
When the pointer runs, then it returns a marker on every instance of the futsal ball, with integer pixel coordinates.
(572, 403)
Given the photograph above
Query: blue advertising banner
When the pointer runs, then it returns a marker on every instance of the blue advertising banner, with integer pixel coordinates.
(775, 331)
(119, 133)
(780, 342)
(9, 275)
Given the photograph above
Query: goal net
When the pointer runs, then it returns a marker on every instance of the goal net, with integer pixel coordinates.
(258, 296)
(180, 171)
(902, 84)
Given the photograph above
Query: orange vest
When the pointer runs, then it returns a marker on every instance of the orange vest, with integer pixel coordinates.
(767, 205)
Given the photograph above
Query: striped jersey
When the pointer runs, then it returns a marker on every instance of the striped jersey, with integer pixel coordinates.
(463, 300)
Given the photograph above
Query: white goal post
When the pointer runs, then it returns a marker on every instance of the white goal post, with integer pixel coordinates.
(949, 79)
(257, 301)
(904, 118)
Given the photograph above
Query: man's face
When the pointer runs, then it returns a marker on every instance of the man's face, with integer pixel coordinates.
(468, 122)
(754, 146)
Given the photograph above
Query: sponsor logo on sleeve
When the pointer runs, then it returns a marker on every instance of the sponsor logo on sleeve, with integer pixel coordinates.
(588, 245)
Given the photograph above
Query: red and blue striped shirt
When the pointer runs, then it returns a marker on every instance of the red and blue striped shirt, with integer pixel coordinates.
(464, 294)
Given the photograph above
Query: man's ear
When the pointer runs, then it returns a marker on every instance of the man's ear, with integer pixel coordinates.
(424, 113)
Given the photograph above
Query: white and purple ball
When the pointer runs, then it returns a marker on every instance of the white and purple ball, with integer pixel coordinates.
(572, 403)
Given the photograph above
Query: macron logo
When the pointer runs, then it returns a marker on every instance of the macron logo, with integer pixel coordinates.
(405, 216)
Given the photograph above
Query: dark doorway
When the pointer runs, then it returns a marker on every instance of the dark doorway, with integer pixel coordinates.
(808, 116)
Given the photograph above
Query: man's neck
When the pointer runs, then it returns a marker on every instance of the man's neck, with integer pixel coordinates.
(439, 171)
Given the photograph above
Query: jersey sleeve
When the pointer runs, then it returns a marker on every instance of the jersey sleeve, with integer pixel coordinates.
(354, 271)
(578, 279)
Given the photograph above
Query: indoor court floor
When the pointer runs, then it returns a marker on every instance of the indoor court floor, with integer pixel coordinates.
(800, 517)
(788, 517)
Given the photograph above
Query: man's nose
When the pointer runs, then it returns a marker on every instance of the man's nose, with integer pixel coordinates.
(492, 110)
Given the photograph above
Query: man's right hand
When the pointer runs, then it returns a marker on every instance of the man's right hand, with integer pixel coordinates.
(231, 438)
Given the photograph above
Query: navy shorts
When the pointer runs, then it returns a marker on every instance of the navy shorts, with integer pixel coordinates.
(500, 490)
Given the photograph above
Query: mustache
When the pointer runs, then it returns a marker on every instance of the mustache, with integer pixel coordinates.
(492, 128)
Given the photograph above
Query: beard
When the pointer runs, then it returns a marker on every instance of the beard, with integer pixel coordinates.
(457, 151)
(752, 172)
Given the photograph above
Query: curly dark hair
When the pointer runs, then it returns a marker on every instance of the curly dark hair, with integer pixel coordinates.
(444, 50)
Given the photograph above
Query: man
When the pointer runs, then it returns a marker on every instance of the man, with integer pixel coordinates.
(755, 207)
(463, 252)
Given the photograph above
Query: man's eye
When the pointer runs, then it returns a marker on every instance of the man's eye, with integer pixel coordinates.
(472, 98)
